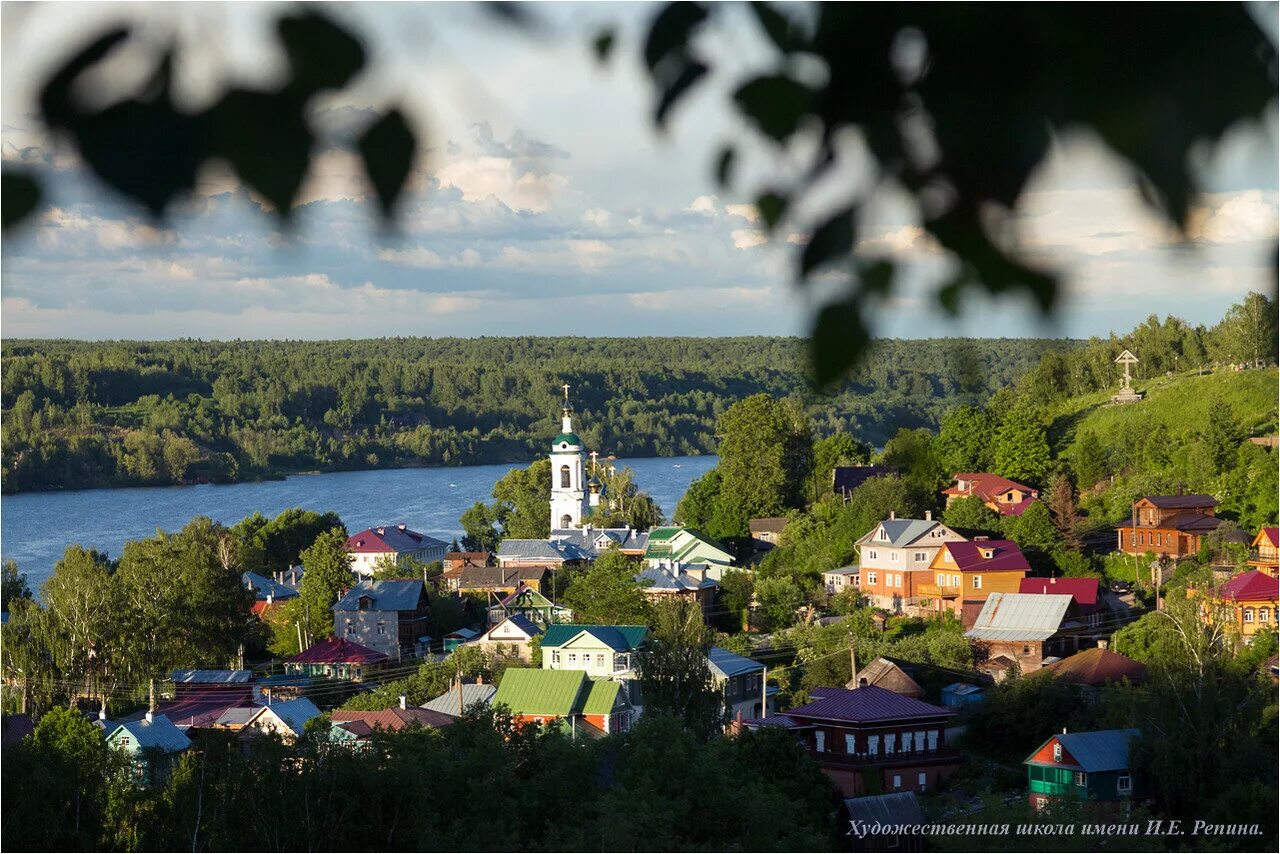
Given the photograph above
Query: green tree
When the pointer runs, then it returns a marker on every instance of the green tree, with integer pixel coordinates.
(608, 593)
(1034, 529)
(283, 538)
(675, 673)
(13, 584)
(1089, 461)
(838, 449)
(733, 598)
(970, 513)
(84, 615)
(964, 440)
(1248, 331)
(1021, 448)
(1221, 436)
(522, 496)
(913, 453)
(765, 458)
(479, 521)
(327, 576)
(698, 503)
(778, 598)
(1061, 502)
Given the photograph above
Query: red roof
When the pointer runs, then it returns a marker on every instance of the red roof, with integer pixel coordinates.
(391, 719)
(972, 555)
(1252, 586)
(1085, 590)
(1097, 666)
(987, 486)
(389, 538)
(1272, 535)
(861, 705)
(1014, 509)
(338, 651)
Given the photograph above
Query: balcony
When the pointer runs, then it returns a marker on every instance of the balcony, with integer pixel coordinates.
(941, 756)
(939, 590)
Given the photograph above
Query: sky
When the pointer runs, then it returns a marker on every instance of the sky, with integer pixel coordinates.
(545, 203)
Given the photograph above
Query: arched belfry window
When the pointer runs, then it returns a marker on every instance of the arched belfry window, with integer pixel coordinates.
(564, 477)
(566, 521)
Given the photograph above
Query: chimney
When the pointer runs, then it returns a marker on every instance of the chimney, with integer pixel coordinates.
(381, 531)
(1064, 730)
(893, 514)
(1102, 643)
(862, 682)
(404, 701)
(149, 716)
(102, 712)
(928, 515)
(401, 526)
(1053, 580)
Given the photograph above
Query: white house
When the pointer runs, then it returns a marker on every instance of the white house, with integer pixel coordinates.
(397, 543)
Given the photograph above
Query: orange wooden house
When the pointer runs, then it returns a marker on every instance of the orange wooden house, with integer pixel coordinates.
(966, 572)
(1266, 551)
(1168, 525)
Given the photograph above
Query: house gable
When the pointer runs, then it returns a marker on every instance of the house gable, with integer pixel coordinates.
(1045, 755)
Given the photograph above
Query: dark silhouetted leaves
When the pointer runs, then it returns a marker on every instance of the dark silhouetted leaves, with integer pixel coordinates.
(724, 165)
(265, 138)
(690, 73)
(19, 197)
(775, 103)
(776, 26)
(831, 241)
(840, 336)
(57, 104)
(322, 55)
(388, 149)
(671, 31)
(603, 45)
(771, 206)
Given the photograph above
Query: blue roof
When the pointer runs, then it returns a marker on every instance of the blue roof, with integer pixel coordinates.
(549, 550)
(1102, 750)
(399, 595)
(726, 664)
(902, 532)
(264, 587)
(294, 713)
(617, 638)
(158, 732)
(212, 677)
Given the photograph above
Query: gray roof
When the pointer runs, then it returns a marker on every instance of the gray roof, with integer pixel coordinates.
(726, 664)
(540, 550)
(294, 713)
(263, 587)
(1101, 750)
(584, 539)
(237, 715)
(447, 703)
(1020, 617)
(843, 570)
(521, 622)
(212, 677)
(158, 732)
(903, 532)
(657, 578)
(893, 808)
(398, 595)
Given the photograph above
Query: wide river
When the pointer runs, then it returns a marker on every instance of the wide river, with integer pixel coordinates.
(36, 527)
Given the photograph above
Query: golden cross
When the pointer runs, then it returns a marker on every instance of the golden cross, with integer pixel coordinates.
(566, 392)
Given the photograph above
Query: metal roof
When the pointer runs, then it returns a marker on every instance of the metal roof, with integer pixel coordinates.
(518, 620)
(526, 691)
(237, 715)
(1101, 750)
(392, 538)
(1175, 502)
(726, 664)
(1096, 666)
(1020, 617)
(659, 578)
(902, 532)
(391, 720)
(447, 703)
(157, 732)
(264, 587)
(1083, 590)
(397, 595)
(550, 550)
(293, 713)
(338, 651)
(892, 808)
(862, 705)
(211, 677)
(587, 539)
(617, 638)
(602, 697)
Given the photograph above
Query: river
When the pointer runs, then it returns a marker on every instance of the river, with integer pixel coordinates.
(36, 527)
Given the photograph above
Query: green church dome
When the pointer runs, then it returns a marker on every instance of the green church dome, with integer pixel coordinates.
(571, 438)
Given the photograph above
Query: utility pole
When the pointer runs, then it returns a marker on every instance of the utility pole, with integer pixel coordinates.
(764, 693)
(853, 658)
(458, 660)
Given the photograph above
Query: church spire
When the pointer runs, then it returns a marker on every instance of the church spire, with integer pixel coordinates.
(566, 420)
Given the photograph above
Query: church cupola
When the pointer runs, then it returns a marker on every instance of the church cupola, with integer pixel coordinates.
(568, 481)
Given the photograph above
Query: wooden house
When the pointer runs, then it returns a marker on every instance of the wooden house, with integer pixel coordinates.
(151, 744)
(740, 682)
(1247, 604)
(1006, 497)
(895, 559)
(1096, 667)
(530, 604)
(835, 581)
(1023, 629)
(337, 658)
(603, 652)
(766, 532)
(1168, 525)
(1265, 551)
(1089, 766)
(502, 581)
(888, 674)
(580, 705)
(356, 729)
(287, 719)
(965, 573)
(896, 815)
(514, 635)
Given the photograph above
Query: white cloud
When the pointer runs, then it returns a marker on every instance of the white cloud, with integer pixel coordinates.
(744, 238)
(748, 212)
(480, 178)
(704, 205)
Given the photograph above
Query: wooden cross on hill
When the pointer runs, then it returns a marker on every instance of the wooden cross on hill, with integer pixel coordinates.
(1126, 358)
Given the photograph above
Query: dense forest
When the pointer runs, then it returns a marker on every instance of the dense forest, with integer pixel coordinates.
(82, 414)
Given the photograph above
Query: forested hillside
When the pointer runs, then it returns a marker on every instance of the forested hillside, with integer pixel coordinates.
(80, 414)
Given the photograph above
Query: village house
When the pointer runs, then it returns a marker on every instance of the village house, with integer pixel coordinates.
(462, 696)
(389, 616)
(1246, 605)
(1006, 497)
(766, 533)
(897, 816)
(555, 554)
(1265, 554)
(895, 559)
(845, 479)
(871, 739)
(337, 658)
(665, 583)
(1089, 766)
(592, 542)
(151, 744)
(1168, 525)
(502, 581)
(836, 581)
(1087, 605)
(512, 636)
(286, 719)
(889, 675)
(582, 706)
(965, 573)
(356, 730)
(680, 547)
(599, 651)
(455, 562)
(457, 638)
(395, 543)
(1022, 629)
(530, 604)
(740, 682)
(267, 592)
(1095, 668)
(200, 697)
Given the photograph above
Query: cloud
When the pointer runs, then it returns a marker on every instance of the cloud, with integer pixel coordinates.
(747, 238)
(499, 178)
(748, 212)
(703, 205)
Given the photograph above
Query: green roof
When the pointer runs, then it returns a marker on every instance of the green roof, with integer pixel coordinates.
(617, 638)
(663, 533)
(602, 697)
(571, 438)
(526, 691)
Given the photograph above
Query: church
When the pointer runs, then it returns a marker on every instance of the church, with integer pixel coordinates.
(573, 495)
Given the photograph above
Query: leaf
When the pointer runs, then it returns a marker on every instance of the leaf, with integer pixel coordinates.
(266, 139)
(831, 241)
(515, 14)
(322, 55)
(603, 44)
(775, 103)
(775, 25)
(671, 31)
(724, 165)
(19, 196)
(771, 206)
(691, 73)
(388, 149)
(57, 105)
(838, 339)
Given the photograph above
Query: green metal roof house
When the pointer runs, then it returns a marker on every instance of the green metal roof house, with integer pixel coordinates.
(578, 703)
(1091, 766)
(681, 546)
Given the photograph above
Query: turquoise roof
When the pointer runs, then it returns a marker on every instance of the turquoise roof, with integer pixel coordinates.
(617, 638)
(571, 438)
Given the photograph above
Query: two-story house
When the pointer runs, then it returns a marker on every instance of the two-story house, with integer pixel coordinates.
(389, 616)
(512, 636)
(605, 652)
(965, 573)
(1245, 605)
(741, 684)
(1023, 629)
(870, 739)
(1265, 554)
(532, 605)
(582, 706)
(895, 560)
(1006, 497)
(1168, 525)
(681, 547)
(395, 543)
(1087, 766)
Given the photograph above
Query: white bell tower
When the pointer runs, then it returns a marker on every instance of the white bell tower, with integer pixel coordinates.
(568, 484)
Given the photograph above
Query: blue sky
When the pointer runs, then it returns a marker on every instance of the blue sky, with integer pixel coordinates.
(545, 203)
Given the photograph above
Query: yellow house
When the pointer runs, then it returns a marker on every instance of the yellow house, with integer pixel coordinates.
(964, 573)
(1266, 551)
(1247, 603)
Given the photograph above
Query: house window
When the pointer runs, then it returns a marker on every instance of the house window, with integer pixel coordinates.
(889, 739)
(848, 743)
(871, 578)
(1264, 615)
(920, 740)
(1248, 615)
(382, 628)
(1124, 784)
(599, 659)
(566, 521)
(820, 739)
(897, 781)
(124, 741)
(1041, 803)
(555, 656)
(1079, 778)
(933, 739)
(1057, 752)
(977, 582)
(871, 555)
(923, 780)
(573, 658)
(564, 477)
(942, 580)
(873, 745)
(921, 556)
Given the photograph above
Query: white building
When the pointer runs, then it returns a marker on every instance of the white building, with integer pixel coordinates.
(569, 501)
(396, 543)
